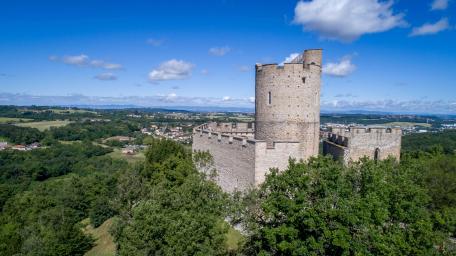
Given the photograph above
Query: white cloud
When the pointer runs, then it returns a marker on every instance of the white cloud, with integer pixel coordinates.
(106, 77)
(388, 105)
(53, 58)
(171, 70)
(339, 69)
(244, 68)
(226, 98)
(84, 60)
(204, 71)
(291, 57)
(105, 65)
(219, 51)
(439, 5)
(430, 29)
(78, 60)
(155, 42)
(251, 99)
(347, 20)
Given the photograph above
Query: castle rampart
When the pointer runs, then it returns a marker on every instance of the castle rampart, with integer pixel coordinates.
(356, 142)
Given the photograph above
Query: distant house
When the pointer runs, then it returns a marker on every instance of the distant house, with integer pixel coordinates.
(3, 145)
(34, 145)
(128, 150)
(19, 147)
(120, 138)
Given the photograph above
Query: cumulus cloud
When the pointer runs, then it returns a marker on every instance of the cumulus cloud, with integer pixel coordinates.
(431, 28)
(171, 70)
(397, 106)
(219, 51)
(155, 42)
(439, 5)
(78, 60)
(339, 69)
(251, 99)
(347, 20)
(226, 98)
(106, 77)
(53, 58)
(105, 65)
(291, 57)
(83, 60)
(244, 68)
(345, 95)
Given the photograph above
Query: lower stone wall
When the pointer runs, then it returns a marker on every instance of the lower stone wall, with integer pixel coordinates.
(388, 144)
(338, 152)
(276, 156)
(234, 158)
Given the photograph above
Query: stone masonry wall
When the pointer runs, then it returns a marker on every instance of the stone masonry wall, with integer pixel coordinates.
(287, 102)
(234, 158)
(275, 156)
(358, 142)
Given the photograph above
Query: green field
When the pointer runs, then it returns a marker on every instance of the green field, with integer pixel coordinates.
(104, 243)
(4, 120)
(71, 111)
(44, 125)
(407, 124)
(117, 154)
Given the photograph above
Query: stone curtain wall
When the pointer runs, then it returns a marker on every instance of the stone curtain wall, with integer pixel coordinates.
(234, 158)
(358, 142)
(364, 142)
(267, 157)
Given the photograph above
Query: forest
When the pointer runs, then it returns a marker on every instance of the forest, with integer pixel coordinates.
(164, 206)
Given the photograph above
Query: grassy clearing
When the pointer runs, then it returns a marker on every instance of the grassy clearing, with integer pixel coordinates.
(117, 154)
(104, 243)
(407, 124)
(4, 120)
(234, 239)
(44, 125)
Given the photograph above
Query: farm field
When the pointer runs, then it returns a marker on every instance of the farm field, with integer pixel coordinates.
(4, 120)
(407, 124)
(71, 111)
(44, 125)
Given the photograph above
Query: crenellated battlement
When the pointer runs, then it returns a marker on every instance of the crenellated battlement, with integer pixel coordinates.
(353, 143)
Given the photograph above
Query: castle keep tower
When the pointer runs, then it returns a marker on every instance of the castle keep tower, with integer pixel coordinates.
(287, 102)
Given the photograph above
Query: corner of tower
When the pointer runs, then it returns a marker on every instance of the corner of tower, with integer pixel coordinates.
(313, 57)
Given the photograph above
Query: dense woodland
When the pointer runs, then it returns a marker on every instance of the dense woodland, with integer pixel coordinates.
(164, 206)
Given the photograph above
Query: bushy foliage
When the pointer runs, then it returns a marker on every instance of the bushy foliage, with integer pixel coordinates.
(43, 217)
(92, 130)
(20, 135)
(172, 209)
(429, 141)
(323, 208)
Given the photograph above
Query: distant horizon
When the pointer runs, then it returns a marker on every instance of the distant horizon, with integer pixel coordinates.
(39, 101)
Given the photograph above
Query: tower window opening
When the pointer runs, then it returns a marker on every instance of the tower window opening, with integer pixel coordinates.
(376, 154)
(269, 98)
(304, 80)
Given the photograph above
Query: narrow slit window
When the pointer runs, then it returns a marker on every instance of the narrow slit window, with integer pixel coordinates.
(269, 98)
(304, 80)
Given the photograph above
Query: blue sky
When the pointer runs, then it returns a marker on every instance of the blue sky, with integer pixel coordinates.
(378, 55)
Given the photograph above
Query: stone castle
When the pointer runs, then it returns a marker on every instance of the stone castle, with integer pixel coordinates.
(287, 125)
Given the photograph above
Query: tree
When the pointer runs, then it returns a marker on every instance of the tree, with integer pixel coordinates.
(323, 208)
